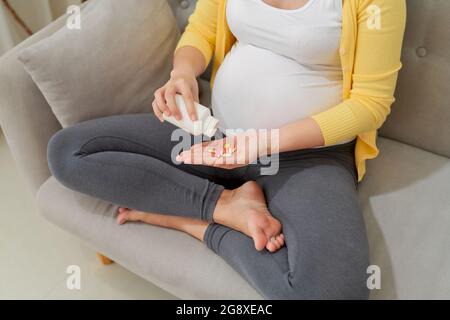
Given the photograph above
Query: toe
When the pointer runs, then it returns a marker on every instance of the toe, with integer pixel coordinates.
(271, 246)
(275, 228)
(259, 239)
(280, 240)
(277, 242)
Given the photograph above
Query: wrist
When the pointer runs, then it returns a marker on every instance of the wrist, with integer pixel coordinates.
(182, 71)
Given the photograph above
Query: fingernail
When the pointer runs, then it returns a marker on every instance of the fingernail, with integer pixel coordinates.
(178, 158)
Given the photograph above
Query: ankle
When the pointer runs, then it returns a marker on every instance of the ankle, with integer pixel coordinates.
(136, 216)
(222, 204)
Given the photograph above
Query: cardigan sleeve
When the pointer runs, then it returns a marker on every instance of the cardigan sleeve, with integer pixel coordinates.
(201, 29)
(375, 72)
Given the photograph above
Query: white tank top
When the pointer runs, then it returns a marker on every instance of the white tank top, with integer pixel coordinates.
(284, 66)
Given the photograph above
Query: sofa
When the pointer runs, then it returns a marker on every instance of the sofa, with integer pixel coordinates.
(405, 194)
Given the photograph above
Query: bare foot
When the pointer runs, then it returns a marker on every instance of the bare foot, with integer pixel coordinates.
(193, 227)
(244, 209)
(124, 216)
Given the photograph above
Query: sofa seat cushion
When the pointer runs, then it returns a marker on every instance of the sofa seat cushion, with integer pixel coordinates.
(406, 206)
(406, 201)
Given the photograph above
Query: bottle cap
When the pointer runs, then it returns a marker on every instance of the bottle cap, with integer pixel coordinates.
(210, 127)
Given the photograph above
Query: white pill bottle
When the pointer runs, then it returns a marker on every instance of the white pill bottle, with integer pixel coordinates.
(205, 124)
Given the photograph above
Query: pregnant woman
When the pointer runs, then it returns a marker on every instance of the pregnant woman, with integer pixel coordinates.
(320, 73)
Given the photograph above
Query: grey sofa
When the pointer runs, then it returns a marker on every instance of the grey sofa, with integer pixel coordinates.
(405, 194)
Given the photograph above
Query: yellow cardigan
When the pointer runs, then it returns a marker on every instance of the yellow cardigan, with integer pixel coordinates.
(370, 48)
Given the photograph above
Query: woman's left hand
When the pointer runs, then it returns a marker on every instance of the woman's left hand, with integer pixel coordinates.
(242, 151)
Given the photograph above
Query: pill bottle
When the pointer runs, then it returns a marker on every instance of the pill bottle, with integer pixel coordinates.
(206, 124)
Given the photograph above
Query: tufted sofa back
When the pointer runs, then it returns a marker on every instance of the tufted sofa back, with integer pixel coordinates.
(421, 114)
(182, 10)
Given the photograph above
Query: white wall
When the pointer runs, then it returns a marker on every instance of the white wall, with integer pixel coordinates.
(36, 14)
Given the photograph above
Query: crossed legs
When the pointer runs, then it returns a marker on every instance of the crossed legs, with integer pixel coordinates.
(126, 160)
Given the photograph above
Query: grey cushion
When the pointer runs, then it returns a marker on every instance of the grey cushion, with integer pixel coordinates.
(113, 65)
(406, 207)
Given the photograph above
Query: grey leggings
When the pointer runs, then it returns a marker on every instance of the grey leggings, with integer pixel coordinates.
(126, 160)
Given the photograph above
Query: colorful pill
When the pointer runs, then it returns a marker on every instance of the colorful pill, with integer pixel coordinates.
(212, 152)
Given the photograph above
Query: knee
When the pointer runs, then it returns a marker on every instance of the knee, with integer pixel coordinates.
(61, 151)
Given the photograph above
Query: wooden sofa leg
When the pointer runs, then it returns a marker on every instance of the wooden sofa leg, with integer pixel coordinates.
(104, 260)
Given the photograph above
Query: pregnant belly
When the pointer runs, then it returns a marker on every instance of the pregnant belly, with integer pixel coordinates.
(257, 89)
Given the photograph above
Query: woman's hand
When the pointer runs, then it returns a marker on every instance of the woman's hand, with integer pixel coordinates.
(182, 82)
(229, 153)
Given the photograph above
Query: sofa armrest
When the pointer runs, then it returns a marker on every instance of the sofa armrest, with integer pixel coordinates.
(25, 116)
